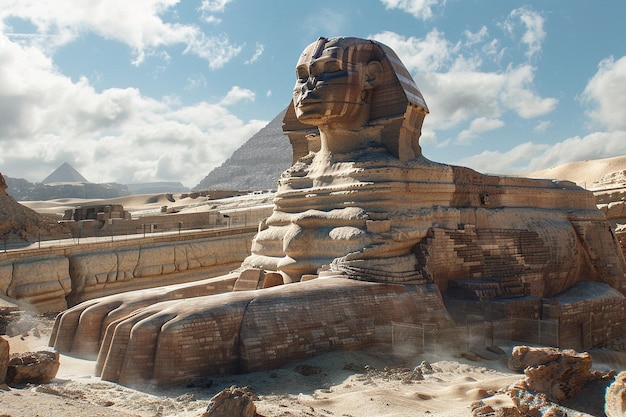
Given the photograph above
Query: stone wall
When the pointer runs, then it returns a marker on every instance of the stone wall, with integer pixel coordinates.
(51, 279)
(588, 314)
(40, 282)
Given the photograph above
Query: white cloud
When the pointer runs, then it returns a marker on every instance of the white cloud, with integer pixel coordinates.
(421, 9)
(478, 37)
(119, 134)
(519, 95)
(257, 53)
(236, 95)
(137, 24)
(457, 88)
(213, 5)
(542, 126)
(432, 53)
(532, 22)
(208, 7)
(605, 94)
(530, 157)
(479, 125)
(195, 81)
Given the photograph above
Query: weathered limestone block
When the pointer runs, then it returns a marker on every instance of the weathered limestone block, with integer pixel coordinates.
(39, 283)
(232, 402)
(560, 374)
(90, 269)
(249, 279)
(325, 315)
(32, 367)
(96, 274)
(615, 397)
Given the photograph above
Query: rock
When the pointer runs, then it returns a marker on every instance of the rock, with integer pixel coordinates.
(32, 367)
(538, 404)
(471, 356)
(480, 409)
(560, 374)
(615, 397)
(425, 368)
(232, 402)
(524, 356)
(485, 353)
(4, 359)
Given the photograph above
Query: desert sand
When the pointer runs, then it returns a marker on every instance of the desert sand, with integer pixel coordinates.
(584, 173)
(372, 382)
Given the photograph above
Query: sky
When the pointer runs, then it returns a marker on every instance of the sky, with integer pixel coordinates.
(165, 90)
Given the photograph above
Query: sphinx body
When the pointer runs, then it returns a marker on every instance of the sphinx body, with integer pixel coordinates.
(365, 231)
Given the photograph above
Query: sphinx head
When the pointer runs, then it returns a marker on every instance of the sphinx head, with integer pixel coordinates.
(352, 83)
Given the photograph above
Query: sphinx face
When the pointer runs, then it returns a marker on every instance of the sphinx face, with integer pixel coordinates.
(329, 90)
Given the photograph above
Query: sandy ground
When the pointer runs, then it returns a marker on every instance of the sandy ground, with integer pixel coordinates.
(372, 382)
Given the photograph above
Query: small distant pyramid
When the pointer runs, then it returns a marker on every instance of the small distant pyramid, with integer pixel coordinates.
(64, 173)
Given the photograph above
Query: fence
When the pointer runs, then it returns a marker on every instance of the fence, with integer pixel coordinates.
(420, 338)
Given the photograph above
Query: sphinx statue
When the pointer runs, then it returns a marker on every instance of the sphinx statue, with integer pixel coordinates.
(365, 231)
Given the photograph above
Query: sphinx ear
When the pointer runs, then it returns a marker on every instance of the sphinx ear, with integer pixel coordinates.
(373, 74)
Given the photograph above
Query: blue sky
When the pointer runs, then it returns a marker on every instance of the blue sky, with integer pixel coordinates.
(161, 90)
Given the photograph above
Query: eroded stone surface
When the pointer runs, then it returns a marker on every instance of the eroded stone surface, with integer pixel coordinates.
(559, 374)
(383, 228)
(615, 398)
(32, 367)
(232, 402)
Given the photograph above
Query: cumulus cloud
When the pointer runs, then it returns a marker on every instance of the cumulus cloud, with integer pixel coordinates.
(479, 125)
(421, 9)
(531, 23)
(47, 119)
(456, 83)
(605, 94)
(208, 7)
(431, 53)
(530, 157)
(236, 95)
(137, 24)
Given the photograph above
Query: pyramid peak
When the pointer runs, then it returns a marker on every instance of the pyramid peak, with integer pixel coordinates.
(64, 173)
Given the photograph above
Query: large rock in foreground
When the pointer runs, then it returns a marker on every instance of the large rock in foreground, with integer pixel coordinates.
(32, 367)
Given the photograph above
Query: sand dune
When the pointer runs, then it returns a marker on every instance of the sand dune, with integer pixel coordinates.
(583, 173)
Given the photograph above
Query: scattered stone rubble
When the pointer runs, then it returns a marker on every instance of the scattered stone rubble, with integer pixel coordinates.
(232, 402)
(553, 379)
(29, 367)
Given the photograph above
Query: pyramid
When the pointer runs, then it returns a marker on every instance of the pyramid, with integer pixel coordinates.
(257, 164)
(64, 173)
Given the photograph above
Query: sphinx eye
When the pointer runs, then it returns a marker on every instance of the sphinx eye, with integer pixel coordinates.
(302, 73)
(332, 66)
